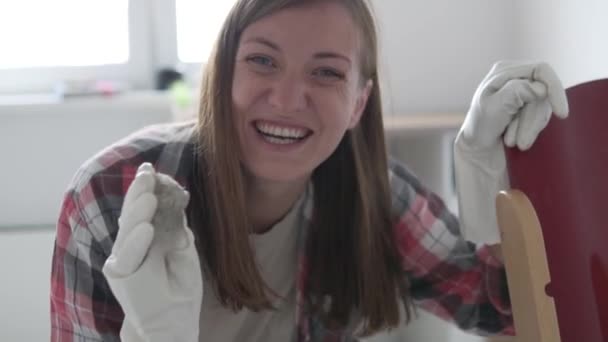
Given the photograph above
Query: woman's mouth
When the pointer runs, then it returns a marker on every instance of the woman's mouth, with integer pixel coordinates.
(281, 135)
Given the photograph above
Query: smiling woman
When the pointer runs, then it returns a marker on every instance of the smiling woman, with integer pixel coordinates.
(291, 75)
(304, 229)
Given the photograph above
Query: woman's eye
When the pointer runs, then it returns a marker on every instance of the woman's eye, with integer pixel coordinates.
(329, 74)
(261, 60)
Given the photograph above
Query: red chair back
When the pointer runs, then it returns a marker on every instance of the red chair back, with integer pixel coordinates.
(565, 176)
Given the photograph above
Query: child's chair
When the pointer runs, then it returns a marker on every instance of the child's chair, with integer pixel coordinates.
(554, 225)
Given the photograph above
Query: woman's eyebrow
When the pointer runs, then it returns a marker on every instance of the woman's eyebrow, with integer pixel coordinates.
(329, 54)
(263, 41)
(319, 55)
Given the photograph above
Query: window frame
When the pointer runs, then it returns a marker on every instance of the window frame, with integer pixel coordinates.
(152, 46)
(137, 73)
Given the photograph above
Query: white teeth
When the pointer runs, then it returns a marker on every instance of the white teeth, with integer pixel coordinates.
(281, 132)
(276, 131)
(279, 141)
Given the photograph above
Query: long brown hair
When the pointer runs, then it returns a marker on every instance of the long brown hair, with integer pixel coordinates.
(352, 257)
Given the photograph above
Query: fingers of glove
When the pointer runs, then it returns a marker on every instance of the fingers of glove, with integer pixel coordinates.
(513, 96)
(188, 238)
(510, 137)
(141, 210)
(178, 239)
(503, 72)
(172, 189)
(184, 265)
(539, 90)
(533, 119)
(183, 239)
(145, 167)
(144, 182)
(124, 261)
(184, 272)
(555, 90)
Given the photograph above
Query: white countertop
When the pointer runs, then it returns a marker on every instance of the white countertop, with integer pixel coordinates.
(423, 122)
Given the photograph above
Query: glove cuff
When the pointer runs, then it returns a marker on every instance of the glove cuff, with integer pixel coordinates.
(480, 175)
(129, 333)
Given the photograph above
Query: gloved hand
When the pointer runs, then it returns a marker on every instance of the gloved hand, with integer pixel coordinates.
(154, 270)
(514, 103)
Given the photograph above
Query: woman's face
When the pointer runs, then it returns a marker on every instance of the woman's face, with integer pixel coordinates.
(297, 89)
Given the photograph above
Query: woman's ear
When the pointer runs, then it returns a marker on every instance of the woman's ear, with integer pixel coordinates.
(361, 103)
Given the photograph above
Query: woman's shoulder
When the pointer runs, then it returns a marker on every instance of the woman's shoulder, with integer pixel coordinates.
(93, 199)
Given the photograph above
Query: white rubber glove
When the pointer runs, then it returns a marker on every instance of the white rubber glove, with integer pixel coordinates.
(154, 270)
(516, 99)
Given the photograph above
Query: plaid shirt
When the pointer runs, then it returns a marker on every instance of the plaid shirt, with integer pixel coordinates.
(448, 276)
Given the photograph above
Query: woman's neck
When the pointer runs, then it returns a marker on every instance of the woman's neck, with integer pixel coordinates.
(269, 201)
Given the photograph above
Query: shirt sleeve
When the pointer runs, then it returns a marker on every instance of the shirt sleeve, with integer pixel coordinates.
(448, 276)
(82, 305)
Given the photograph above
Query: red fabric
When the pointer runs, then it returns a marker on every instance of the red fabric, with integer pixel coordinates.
(565, 175)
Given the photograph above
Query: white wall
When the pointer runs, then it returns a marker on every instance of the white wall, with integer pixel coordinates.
(437, 51)
(571, 35)
(42, 145)
(25, 262)
(434, 52)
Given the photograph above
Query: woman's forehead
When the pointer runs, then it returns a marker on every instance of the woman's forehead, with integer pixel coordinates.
(320, 25)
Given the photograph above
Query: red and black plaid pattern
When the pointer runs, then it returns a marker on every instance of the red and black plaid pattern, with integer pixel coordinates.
(448, 276)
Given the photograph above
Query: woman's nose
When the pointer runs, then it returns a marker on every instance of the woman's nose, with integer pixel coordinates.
(288, 94)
